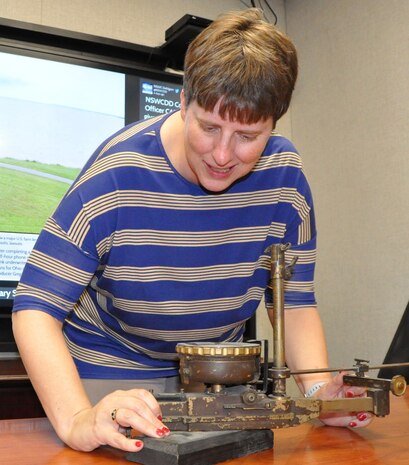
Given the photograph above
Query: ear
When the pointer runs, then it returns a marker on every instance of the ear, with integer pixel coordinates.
(182, 104)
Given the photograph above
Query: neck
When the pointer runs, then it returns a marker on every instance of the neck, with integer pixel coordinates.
(172, 136)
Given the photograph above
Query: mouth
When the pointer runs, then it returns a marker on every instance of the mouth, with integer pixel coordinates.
(219, 172)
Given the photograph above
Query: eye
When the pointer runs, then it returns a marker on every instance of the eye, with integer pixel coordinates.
(247, 137)
(207, 127)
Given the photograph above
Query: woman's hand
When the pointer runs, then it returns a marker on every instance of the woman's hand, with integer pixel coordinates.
(64, 399)
(105, 423)
(336, 389)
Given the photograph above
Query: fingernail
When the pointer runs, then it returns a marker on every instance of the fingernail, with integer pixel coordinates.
(352, 424)
(362, 416)
(160, 417)
(138, 443)
(349, 394)
(162, 431)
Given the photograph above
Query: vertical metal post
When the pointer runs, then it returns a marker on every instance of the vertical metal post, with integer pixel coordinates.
(279, 372)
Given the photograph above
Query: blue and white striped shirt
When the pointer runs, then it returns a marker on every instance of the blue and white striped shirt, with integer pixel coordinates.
(136, 258)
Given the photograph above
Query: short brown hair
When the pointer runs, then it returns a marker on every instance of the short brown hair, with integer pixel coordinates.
(244, 61)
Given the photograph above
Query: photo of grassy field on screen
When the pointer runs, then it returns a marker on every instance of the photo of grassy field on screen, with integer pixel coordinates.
(31, 191)
(54, 115)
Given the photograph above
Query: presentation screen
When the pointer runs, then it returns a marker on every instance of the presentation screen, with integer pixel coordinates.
(53, 116)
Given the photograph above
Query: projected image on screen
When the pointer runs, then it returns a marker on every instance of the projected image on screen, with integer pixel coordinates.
(53, 116)
(158, 98)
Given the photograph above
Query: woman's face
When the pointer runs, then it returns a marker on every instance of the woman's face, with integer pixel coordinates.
(219, 151)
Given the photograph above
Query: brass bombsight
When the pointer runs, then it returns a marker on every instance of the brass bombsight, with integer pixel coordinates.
(236, 398)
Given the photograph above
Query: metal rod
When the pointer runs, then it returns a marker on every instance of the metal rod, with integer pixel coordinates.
(277, 278)
(277, 285)
(354, 368)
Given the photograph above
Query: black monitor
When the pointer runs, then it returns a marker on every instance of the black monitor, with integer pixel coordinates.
(7, 344)
(398, 351)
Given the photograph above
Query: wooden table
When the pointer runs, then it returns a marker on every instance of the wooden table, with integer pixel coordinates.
(384, 442)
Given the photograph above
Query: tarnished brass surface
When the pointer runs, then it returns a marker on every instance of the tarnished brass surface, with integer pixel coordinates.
(398, 385)
(357, 404)
(275, 310)
(226, 349)
(219, 364)
(235, 408)
(243, 407)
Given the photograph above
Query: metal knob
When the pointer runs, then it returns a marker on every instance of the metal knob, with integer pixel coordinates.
(398, 385)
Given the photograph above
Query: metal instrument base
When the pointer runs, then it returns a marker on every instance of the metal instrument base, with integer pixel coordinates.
(202, 448)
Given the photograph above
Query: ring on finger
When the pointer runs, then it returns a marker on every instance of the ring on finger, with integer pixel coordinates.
(113, 414)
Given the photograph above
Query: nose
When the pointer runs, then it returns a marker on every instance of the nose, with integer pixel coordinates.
(223, 152)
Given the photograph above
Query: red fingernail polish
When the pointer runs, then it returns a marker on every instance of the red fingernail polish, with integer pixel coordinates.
(362, 416)
(160, 432)
(165, 430)
(160, 417)
(352, 424)
(349, 394)
(138, 443)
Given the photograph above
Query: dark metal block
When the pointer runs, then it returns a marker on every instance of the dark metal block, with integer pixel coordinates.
(202, 448)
